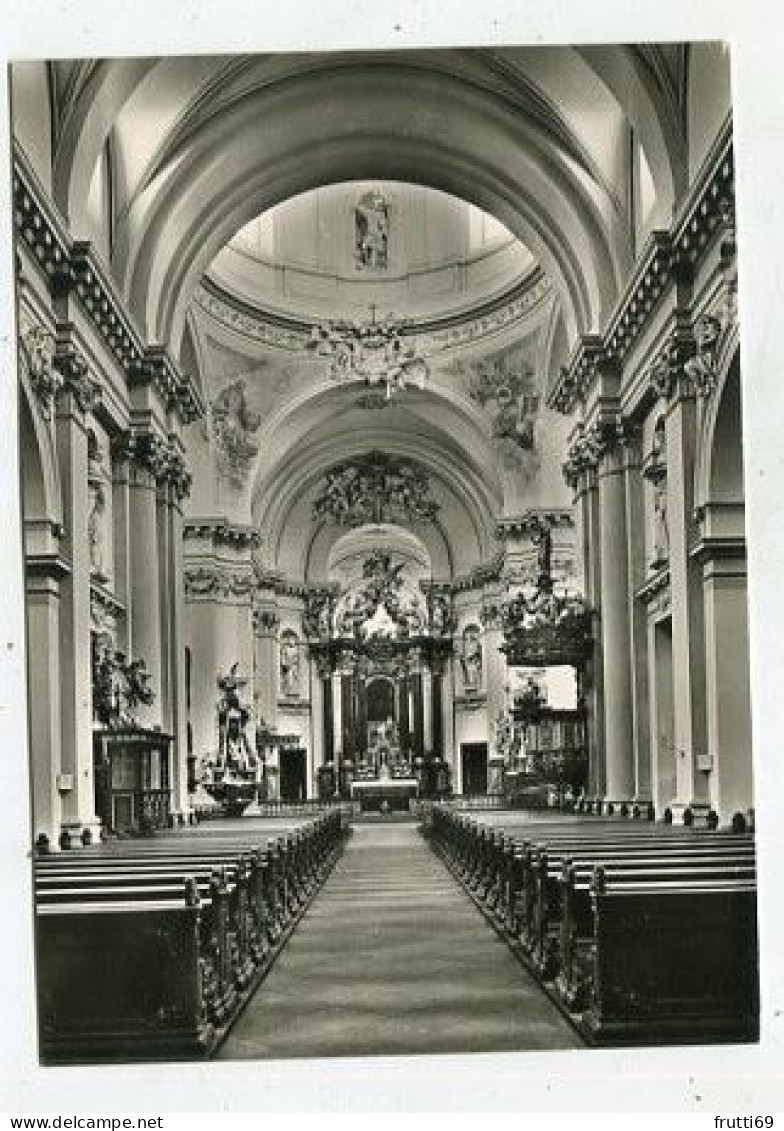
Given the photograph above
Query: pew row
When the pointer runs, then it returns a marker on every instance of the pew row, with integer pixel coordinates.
(151, 952)
(641, 933)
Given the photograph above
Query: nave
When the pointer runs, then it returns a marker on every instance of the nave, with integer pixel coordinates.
(381, 461)
(334, 933)
(393, 957)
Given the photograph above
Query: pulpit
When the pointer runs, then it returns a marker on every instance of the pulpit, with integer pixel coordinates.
(131, 774)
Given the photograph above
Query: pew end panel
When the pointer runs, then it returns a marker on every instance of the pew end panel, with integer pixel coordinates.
(674, 967)
(122, 984)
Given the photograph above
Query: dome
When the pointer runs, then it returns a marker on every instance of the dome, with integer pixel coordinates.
(362, 249)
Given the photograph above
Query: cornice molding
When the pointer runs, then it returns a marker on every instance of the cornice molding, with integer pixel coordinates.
(668, 257)
(531, 520)
(435, 334)
(222, 532)
(218, 583)
(75, 267)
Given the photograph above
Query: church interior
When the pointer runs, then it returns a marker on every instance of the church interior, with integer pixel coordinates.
(384, 546)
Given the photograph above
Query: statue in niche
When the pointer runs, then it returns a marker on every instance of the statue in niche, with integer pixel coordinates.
(471, 657)
(542, 538)
(95, 533)
(371, 220)
(661, 532)
(289, 665)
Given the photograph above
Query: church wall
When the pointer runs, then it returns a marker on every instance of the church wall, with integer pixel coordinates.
(709, 98)
(649, 415)
(108, 583)
(30, 105)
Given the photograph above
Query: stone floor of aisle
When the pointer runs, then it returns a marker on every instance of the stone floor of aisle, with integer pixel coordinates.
(392, 957)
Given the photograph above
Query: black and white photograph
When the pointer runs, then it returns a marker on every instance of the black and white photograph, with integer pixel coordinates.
(388, 677)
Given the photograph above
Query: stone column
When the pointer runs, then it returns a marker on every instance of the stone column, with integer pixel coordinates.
(448, 715)
(417, 714)
(688, 634)
(495, 673)
(122, 545)
(316, 698)
(587, 496)
(427, 711)
(728, 685)
(42, 593)
(348, 716)
(337, 718)
(145, 450)
(638, 628)
(404, 724)
(78, 796)
(327, 721)
(265, 627)
(614, 614)
(174, 712)
(437, 712)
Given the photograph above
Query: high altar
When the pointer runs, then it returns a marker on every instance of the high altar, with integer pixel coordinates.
(380, 647)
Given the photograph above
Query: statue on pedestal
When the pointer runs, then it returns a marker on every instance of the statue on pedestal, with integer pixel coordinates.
(232, 777)
(471, 657)
(289, 665)
(661, 532)
(95, 532)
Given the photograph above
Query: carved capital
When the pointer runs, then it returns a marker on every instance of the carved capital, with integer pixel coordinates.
(176, 473)
(265, 622)
(668, 376)
(701, 369)
(37, 347)
(75, 374)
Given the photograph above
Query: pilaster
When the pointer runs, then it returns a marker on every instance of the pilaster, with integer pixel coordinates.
(688, 632)
(75, 400)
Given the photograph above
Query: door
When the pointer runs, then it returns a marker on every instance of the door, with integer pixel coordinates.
(293, 775)
(473, 756)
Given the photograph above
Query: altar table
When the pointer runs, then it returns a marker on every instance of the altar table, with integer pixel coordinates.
(381, 794)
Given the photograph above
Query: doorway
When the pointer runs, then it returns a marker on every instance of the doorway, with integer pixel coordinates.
(473, 761)
(293, 775)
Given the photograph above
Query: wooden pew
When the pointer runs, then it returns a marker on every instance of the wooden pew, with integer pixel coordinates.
(239, 906)
(123, 979)
(516, 868)
(674, 961)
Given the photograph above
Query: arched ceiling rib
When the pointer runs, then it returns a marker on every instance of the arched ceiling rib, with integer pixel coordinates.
(459, 143)
(551, 183)
(301, 465)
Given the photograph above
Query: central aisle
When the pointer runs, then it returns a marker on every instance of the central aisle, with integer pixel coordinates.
(392, 957)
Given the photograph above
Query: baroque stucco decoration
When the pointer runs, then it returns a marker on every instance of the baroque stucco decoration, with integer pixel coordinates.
(505, 387)
(234, 425)
(375, 488)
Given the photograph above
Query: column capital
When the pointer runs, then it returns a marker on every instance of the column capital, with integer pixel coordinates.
(701, 369)
(76, 381)
(36, 346)
(158, 456)
(266, 622)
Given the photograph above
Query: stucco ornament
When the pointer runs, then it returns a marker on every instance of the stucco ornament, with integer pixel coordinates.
(234, 426)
